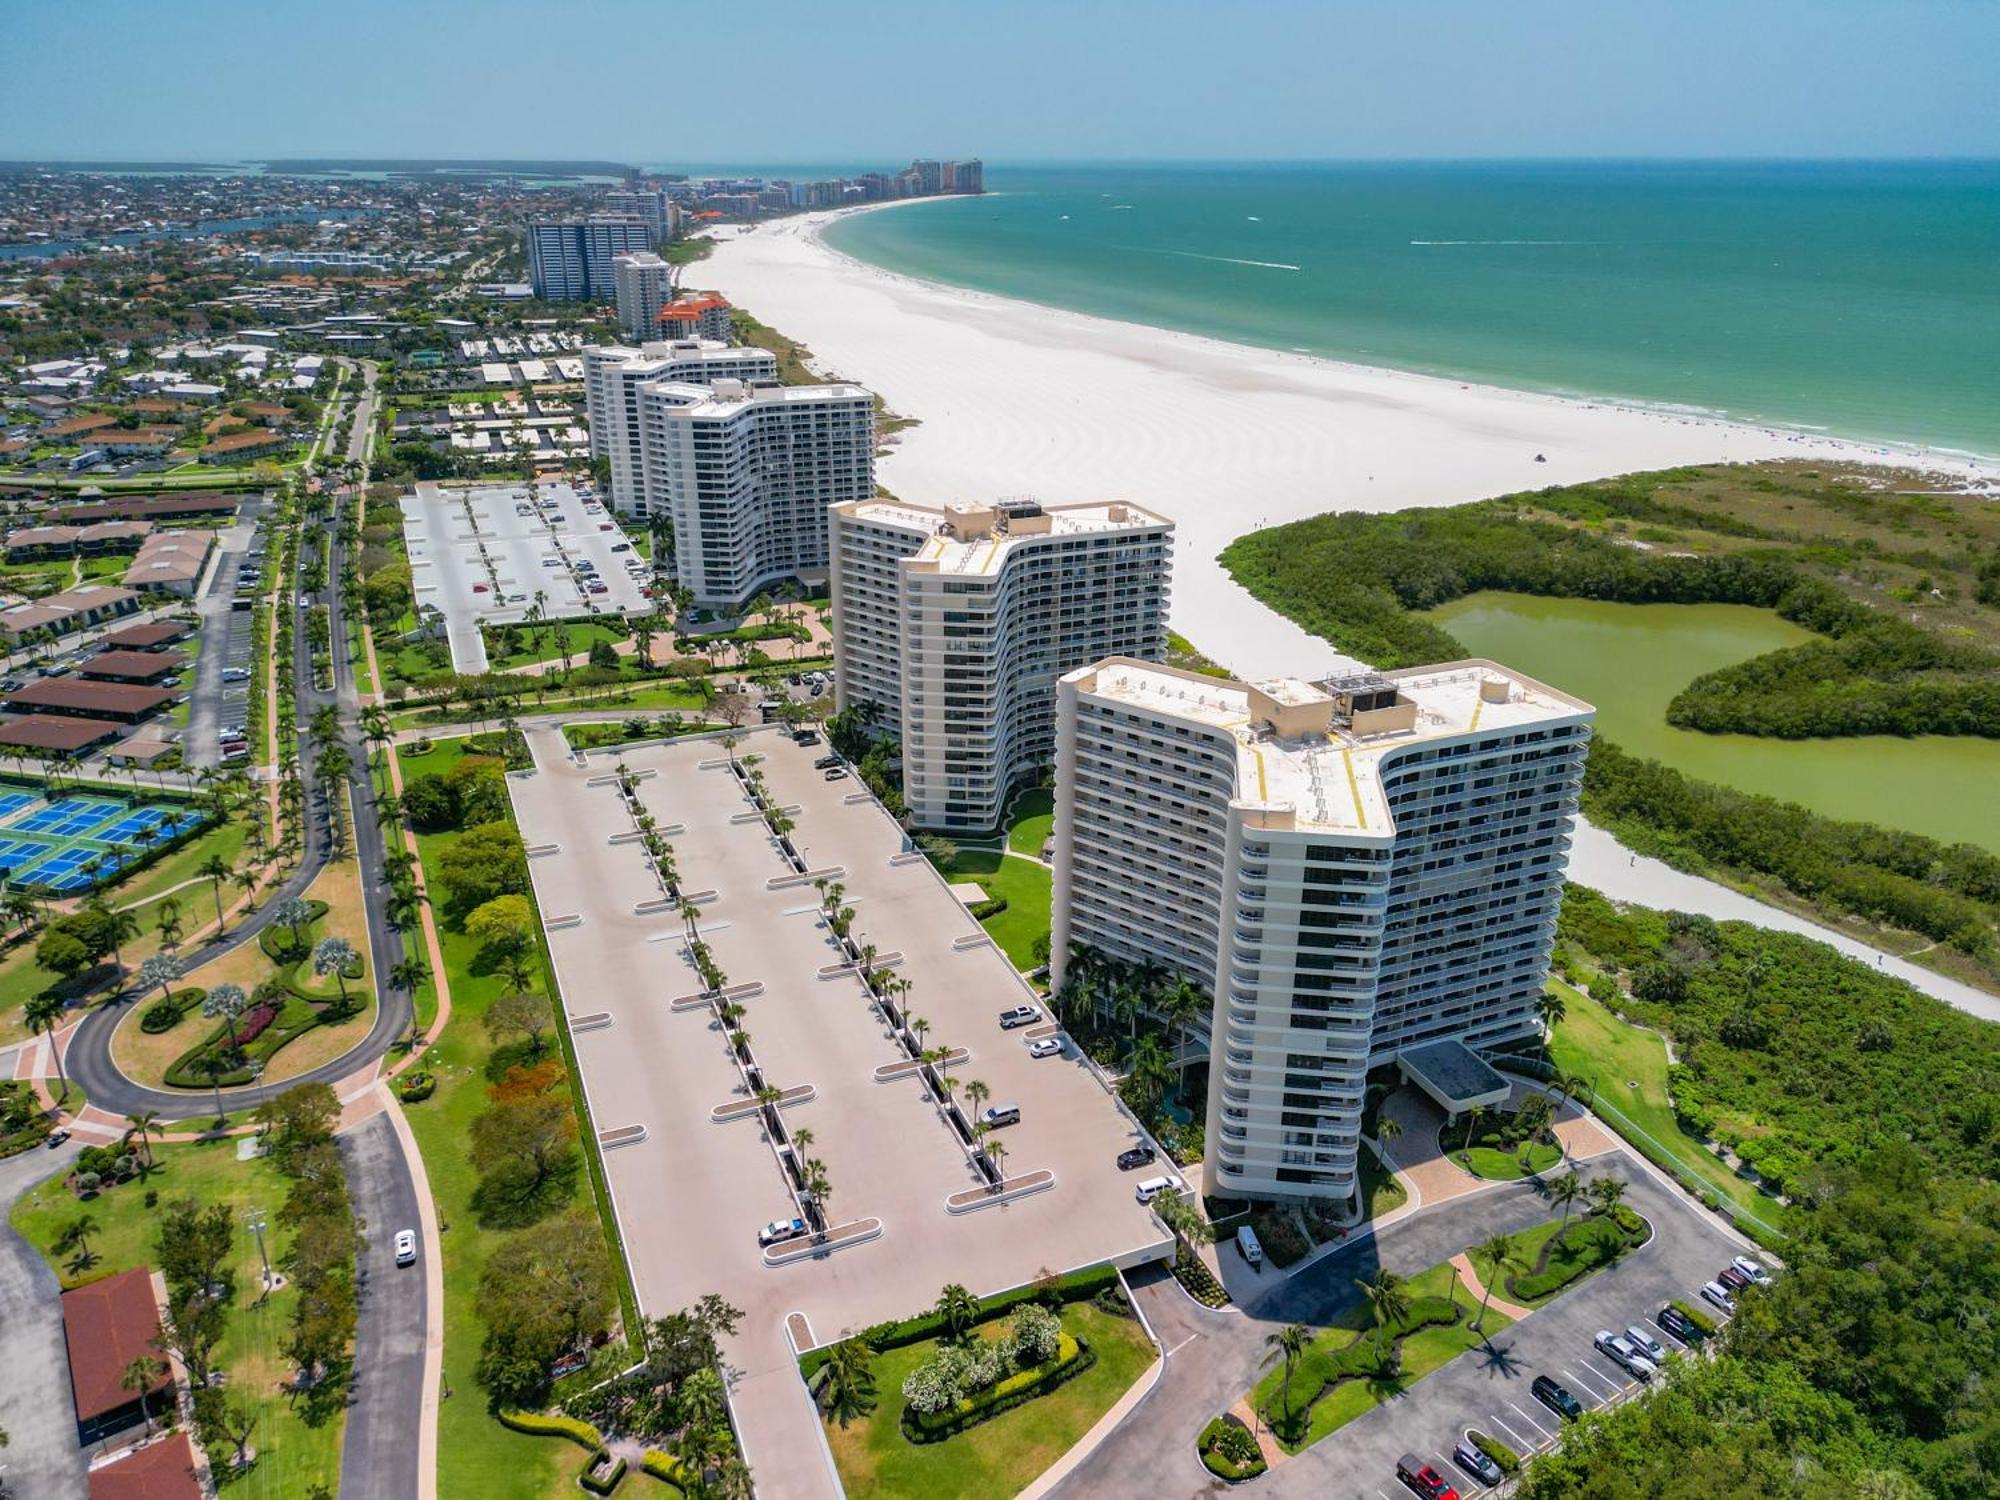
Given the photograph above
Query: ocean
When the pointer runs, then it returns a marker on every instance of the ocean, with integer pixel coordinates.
(1859, 298)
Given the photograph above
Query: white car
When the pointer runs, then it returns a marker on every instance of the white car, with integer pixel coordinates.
(1620, 1348)
(1751, 1269)
(779, 1230)
(1647, 1345)
(1718, 1294)
(406, 1247)
(1048, 1046)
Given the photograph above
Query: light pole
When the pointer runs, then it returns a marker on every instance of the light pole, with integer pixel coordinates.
(253, 1219)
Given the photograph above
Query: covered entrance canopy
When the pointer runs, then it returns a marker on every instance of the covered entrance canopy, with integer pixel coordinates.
(1454, 1076)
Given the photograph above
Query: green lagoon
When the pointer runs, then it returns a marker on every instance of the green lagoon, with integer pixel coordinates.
(1630, 659)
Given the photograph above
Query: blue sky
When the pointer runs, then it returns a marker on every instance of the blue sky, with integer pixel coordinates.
(791, 80)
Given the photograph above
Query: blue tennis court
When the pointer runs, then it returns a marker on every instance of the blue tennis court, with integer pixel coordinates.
(65, 871)
(70, 818)
(18, 853)
(160, 822)
(13, 802)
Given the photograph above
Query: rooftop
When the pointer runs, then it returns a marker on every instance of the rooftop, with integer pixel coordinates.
(1315, 751)
(111, 698)
(977, 539)
(159, 1471)
(1453, 1075)
(145, 637)
(107, 1325)
(56, 732)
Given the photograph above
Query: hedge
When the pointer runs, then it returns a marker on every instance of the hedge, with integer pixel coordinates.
(1703, 1323)
(664, 1466)
(608, 1481)
(1220, 1464)
(1603, 1242)
(1016, 1390)
(1074, 1287)
(276, 939)
(165, 1015)
(991, 907)
(414, 1088)
(550, 1424)
(1508, 1460)
(1324, 1369)
(1198, 1281)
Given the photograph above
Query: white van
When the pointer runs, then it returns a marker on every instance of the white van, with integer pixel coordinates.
(1152, 1187)
(1247, 1246)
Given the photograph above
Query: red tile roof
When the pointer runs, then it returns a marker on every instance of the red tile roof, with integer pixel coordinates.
(159, 1471)
(142, 637)
(133, 666)
(54, 732)
(112, 698)
(107, 1325)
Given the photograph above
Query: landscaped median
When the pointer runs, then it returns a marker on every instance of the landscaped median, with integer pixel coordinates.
(977, 1398)
(1425, 1322)
(1543, 1262)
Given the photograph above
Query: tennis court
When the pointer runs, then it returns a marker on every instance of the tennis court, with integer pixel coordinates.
(13, 802)
(144, 824)
(72, 869)
(19, 853)
(70, 818)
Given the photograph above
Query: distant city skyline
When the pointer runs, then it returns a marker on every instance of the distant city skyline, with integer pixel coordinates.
(1033, 82)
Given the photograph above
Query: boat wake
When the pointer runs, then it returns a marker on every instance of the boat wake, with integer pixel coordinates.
(1231, 260)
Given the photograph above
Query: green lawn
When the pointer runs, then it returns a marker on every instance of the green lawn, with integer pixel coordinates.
(292, 1456)
(1424, 1350)
(153, 881)
(583, 634)
(1380, 1192)
(1033, 816)
(1028, 888)
(1588, 1240)
(1628, 1067)
(1491, 1158)
(476, 1455)
(996, 1458)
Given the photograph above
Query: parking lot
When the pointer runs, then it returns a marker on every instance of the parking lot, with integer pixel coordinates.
(221, 683)
(493, 553)
(692, 1193)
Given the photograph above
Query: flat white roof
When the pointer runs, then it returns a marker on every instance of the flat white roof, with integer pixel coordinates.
(1332, 780)
(976, 545)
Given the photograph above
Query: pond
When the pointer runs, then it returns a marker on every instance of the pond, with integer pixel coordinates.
(1630, 659)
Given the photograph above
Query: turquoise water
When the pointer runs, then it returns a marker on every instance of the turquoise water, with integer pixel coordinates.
(1863, 298)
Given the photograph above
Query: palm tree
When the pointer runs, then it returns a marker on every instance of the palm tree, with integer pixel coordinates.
(1125, 1003)
(1474, 1118)
(143, 1123)
(215, 869)
(168, 922)
(119, 927)
(332, 955)
(1289, 1344)
(1388, 1299)
(227, 1001)
(1386, 1130)
(1180, 1007)
(293, 913)
(1608, 1193)
(160, 969)
(848, 1389)
(140, 1377)
(976, 1094)
(957, 1308)
(45, 1013)
(1552, 1008)
(1566, 1189)
(76, 1236)
(996, 1152)
(1494, 1250)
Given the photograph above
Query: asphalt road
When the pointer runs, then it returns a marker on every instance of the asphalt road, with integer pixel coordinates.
(1220, 1355)
(43, 1462)
(378, 1458)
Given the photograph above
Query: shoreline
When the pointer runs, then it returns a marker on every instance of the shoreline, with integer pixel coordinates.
(1013, 397)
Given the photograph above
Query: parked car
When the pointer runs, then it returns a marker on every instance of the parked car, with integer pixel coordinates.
(1676, 1323)
(55, 1138)
(1249, 1246)
(779, 1230)
(996, 1115)
(406, 1247)
(1468, 1457)
(235, 674)
(1751, 1269)
(1554, 1395)
(1048, 1046)
(1616, 1346)
(1152, 1187)
(1422, 1478)
(1717, 1293)
(1137, 1156)
(826, 762)
(621, 546)
(1732, 1278)
(1020, 1015)
(12, 685)
(805, 737)
(480, 588)
(833, 773)
(1646, 1344)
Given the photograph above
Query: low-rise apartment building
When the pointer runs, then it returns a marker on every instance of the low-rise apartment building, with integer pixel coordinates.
(955, 621)
(1351, 869)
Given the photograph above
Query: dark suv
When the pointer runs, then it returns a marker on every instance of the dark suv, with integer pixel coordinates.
(1138, 1156)
(1554, 1396)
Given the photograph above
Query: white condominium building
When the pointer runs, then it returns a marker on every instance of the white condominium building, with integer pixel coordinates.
(956, 621)
(1351, 868)
(746, 473)
(612, 375)
(644, 284)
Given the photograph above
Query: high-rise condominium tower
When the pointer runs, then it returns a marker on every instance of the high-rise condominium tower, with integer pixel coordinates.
(571, 262)
(644, 284)
(612, 375)
(956, 621)
(1351, 869)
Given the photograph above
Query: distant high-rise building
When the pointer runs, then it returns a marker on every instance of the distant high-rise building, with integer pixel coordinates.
(747, 473)
(929, 176)
(644, 284)
(702, 316)
(965, 176)
(648, 205)
(1359, 872)
(612, 375)
(571, 261)
(956, 621)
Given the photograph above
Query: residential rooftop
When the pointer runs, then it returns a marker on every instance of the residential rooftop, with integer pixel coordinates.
(966, 538)
(1312, 753)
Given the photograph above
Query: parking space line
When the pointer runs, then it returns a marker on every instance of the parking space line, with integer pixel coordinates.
(1530, 1420)
(1617, 1382)
(1512, 1436)
(1589, 1388)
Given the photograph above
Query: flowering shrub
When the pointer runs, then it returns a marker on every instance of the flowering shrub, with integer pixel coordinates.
(253, 1021)
(959, 1371)
(1037, 1334)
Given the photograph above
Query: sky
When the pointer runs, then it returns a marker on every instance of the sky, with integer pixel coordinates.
(880, 81)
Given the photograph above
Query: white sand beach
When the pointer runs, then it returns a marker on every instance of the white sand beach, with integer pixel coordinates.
(1015, 399)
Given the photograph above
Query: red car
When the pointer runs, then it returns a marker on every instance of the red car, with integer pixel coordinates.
(1424, 1479)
